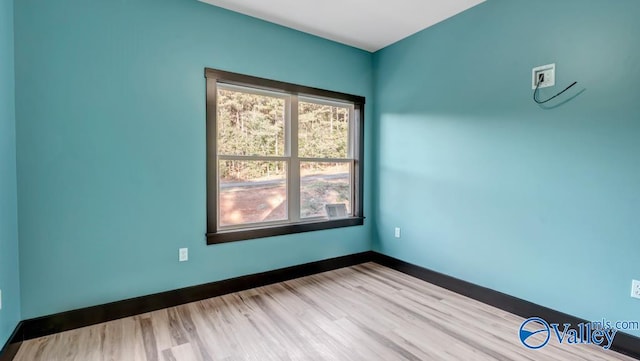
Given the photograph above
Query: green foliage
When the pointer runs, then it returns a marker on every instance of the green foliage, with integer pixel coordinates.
(323, 131)
(251, 124)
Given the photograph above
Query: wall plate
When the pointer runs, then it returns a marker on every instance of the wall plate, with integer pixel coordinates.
(183, 254)
(549, 72)
(635, 289)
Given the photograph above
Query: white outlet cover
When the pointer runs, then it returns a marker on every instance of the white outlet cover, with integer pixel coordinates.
(397, 232)
(183, 254)
(635, 289)
(549, 72)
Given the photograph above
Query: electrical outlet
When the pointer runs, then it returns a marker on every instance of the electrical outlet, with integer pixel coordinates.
(0, 299)
(397, 234)
(183, 254)
(543, 76)
(635, 289)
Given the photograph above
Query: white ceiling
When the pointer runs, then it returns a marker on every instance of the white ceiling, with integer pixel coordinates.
(369, 25)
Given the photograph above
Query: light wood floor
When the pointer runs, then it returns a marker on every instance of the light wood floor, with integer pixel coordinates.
(367, 312)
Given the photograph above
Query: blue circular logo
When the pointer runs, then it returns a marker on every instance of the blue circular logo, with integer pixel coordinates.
(535, 327)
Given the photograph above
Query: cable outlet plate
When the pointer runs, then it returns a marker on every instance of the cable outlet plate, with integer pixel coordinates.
(548, 74)
(635, 289)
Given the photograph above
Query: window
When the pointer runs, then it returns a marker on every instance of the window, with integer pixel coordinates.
(281, 158)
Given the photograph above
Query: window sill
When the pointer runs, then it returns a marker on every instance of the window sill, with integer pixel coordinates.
(246, 234)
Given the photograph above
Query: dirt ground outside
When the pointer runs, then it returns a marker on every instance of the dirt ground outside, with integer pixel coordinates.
(267, 201)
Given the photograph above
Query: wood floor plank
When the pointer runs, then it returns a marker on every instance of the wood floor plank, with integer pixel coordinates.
(183, 352)
(161, 329)
(364, 312)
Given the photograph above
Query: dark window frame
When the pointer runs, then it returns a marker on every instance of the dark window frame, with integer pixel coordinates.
(215, 236)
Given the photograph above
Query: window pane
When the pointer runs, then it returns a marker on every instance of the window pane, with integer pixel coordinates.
(323, 131)
(322, 184)
(252, 192)
(250, 124)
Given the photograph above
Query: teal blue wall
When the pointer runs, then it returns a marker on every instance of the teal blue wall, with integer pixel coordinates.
(110, 102)
(542, 204)
(487, 186)
(9, 278)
